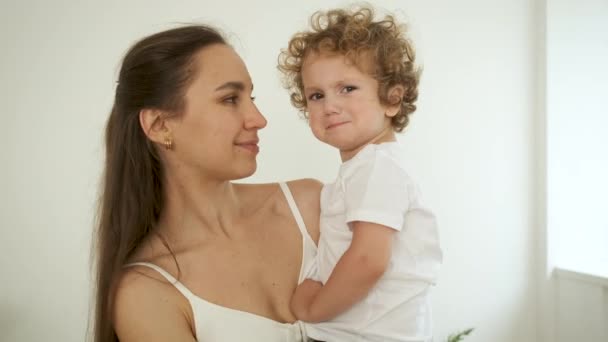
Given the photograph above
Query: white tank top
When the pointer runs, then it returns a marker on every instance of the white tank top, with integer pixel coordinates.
(217, 323)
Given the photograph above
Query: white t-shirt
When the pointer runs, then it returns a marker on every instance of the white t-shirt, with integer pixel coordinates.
(374, 187)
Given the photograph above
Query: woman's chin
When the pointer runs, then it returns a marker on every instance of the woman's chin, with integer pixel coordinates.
(245, 171)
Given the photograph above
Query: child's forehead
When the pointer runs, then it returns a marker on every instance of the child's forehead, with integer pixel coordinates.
(364, 60)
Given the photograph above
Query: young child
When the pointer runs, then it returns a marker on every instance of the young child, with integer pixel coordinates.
(378, 256)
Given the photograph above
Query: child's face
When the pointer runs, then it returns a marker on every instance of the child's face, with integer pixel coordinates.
(343, 104)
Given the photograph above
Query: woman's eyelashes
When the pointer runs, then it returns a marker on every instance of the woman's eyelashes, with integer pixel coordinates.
(235, 99)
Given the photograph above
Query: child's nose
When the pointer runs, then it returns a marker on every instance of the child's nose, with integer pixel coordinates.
(331, 106)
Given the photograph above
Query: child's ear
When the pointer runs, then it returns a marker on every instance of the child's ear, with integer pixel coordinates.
(154, 124)
(395, 97)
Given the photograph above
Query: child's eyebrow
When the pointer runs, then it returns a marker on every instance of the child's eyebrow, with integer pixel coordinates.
(311, 89)
(338, 83)
(349, 80)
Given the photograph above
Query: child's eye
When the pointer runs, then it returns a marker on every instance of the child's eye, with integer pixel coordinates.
(348, 89)
(252, 98)
(315, 97)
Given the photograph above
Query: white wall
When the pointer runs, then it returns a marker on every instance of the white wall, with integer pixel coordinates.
(470, 146)
(577, 120)
(576, 76)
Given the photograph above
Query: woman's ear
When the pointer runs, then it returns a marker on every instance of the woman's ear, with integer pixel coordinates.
(154, 124)
(395, 97)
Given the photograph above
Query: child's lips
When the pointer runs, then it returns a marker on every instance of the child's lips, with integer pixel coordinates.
(336, 124)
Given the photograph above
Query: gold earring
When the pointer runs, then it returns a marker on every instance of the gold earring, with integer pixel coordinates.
(168, 143)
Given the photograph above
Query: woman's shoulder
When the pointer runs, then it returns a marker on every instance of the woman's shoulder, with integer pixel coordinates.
(145, 304)
(306, 193)
(305, 188)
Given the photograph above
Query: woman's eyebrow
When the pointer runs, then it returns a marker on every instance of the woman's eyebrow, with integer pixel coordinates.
(235, 85)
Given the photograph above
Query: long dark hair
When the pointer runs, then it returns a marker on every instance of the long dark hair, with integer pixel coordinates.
(154, 74)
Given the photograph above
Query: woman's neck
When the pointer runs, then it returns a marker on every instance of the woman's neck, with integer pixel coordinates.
(198, 207)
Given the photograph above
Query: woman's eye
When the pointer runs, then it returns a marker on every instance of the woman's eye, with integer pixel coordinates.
(234, 99)
(231, 99)
(348, 89)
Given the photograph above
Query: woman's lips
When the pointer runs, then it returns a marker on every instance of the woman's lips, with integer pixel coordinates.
(251, 146)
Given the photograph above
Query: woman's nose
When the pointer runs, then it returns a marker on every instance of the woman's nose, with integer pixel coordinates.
(254, 118)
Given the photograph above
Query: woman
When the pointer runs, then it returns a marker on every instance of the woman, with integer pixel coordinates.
(184, 254)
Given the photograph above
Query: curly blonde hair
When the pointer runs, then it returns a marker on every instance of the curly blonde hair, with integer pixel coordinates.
(354, 34)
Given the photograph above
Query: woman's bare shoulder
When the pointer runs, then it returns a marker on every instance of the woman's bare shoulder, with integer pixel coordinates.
(306, 193)
(305, 188)
(148, 307)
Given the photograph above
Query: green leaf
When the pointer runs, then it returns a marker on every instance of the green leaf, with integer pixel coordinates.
(459, 336)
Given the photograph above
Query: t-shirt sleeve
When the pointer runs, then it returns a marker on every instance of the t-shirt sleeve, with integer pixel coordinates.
(377, 192)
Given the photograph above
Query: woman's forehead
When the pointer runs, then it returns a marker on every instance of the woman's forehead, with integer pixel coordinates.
(218, 64)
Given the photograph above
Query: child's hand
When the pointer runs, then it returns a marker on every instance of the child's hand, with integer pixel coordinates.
(303, 297)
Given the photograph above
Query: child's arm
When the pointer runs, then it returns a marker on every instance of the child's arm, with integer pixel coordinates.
(357, 271)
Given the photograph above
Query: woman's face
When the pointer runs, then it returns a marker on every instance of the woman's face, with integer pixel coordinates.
(217, 134)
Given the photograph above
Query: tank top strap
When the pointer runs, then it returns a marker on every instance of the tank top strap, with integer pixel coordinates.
(309, 248)
(178, 285)
(294, 209)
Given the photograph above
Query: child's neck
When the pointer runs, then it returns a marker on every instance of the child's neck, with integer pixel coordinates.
(388, 135)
